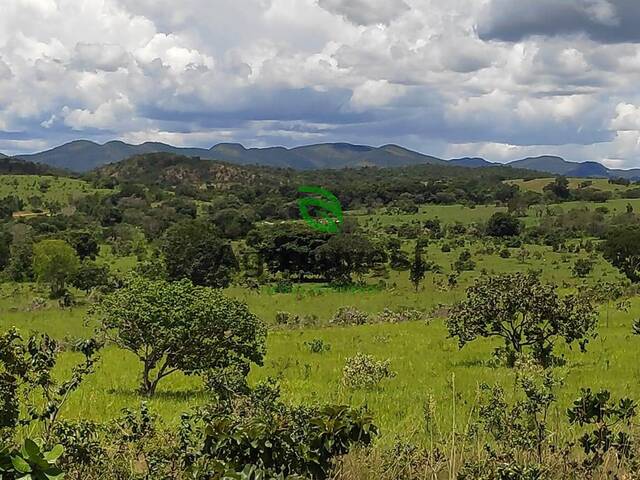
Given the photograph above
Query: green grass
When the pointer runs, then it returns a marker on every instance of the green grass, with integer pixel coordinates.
(60, 189)
(428, 364)
(537, 184)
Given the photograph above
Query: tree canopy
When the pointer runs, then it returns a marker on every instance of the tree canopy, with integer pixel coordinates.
(526, 313)
(55, 262)
(193, 249)
(177, 326)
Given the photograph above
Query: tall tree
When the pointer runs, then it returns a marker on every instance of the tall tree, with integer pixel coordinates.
(622, 250)
(192, 249)
(347, 254)
(418, 268)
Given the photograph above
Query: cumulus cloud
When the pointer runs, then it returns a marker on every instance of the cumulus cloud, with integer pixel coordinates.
(366, 12)
(608, 21)
(95, 56)
(501, 78)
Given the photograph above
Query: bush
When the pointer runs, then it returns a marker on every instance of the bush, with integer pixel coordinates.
(364, 372)
(402, 314)
(583, 267)
(349, 316)
(283, 286)
(464, 262)
(317, 345)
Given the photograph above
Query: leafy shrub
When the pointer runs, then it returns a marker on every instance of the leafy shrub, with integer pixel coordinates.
(283, 286)
(464, 262)
(317, 345)
(599, 410)
(402, 314)
(286, 318)
(505, 253)
(349, 316)
(583, 267)
(30, 462)
(364, 372)
(291, 320)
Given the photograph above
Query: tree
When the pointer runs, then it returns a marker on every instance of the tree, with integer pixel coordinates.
(55, 262)
(5, 248)
(84, 243)
(583, 267)
(622, 250)
(559, 188)
(418, 268)
(525, 313)
(502, 224)
(347, 254)
(232, 223)
(90, 275)
(176, 326)
(9, 205)
(192, 249)
(288, 248)
(464, 262)
(398, 259)
(20, 267)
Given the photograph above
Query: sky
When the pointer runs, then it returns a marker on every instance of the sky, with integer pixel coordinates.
(501, 79)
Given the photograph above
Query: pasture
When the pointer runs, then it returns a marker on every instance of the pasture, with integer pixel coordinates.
(431, 369)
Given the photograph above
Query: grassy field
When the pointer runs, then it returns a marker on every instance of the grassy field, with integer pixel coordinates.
(58, 189)
(429, 366)
(537, 184)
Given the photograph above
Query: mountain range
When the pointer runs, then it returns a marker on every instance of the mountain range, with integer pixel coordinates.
(83, 155)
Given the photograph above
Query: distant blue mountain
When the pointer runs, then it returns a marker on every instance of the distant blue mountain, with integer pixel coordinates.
(84, 155)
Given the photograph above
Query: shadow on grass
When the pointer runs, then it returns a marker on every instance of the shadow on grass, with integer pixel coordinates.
(180, 395)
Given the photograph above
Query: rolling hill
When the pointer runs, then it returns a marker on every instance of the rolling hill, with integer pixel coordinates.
(84, 155)
(16, 166)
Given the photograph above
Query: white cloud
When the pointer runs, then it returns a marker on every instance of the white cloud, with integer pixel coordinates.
(627, 117)
(375, 93)
(95, 56)
(366, 12)
(413, 72)
(106, 116)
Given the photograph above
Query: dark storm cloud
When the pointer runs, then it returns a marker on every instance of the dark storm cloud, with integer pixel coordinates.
(255, 105)
(607, 21)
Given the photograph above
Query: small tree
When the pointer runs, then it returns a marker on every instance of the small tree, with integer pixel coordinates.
(90, 275)
(418, 268)
(177, 326)
(55, 262)
(525, 313)
(464, 262)
(583, 267)
(622, 250)
(502, 224)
